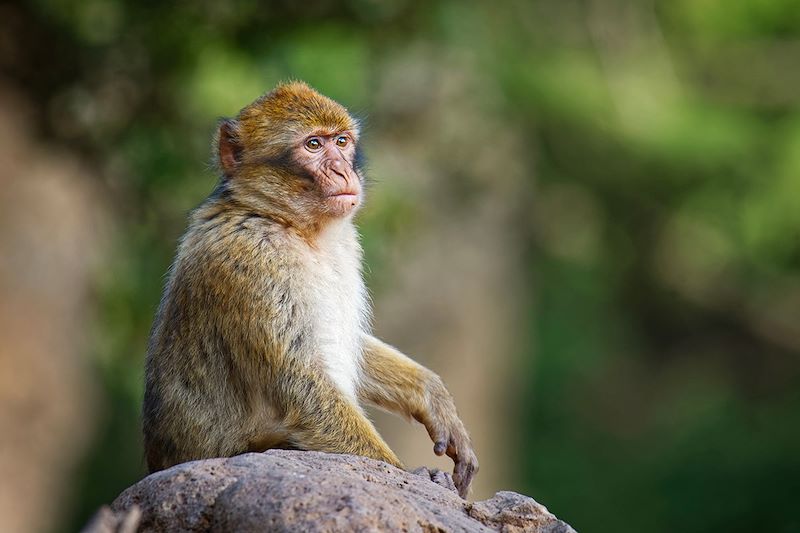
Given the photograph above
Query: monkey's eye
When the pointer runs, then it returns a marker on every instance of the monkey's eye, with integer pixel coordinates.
(314, 143)
(341, 141)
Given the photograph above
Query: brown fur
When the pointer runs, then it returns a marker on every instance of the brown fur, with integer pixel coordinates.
(241, 357)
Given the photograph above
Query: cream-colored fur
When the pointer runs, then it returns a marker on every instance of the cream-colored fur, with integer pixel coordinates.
(339, 307)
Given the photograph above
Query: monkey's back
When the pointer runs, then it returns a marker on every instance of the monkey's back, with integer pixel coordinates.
(238, 307)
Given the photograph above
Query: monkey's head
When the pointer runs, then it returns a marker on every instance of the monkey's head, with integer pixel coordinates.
(293, 151)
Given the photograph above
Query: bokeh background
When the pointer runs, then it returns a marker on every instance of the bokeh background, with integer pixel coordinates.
(584, 214)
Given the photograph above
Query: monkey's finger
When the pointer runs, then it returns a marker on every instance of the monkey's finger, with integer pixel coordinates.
(453, 448)
(461, 479)
(466, 484)
(466, 466)
(463, 473)
(439, 437)
(439, 447)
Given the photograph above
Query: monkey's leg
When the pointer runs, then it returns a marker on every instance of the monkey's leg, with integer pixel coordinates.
(320, 417)
(394, 382)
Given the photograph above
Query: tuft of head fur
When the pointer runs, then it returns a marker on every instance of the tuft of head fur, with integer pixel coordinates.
(287, 111)
(296, 102)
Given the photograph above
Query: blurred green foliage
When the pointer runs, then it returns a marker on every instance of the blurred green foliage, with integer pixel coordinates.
(661, 355)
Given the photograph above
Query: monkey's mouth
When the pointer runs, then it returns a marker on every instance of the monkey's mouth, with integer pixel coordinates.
(343, 194)
(342, 202)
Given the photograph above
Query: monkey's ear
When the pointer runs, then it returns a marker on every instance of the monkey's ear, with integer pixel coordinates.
(229, 148)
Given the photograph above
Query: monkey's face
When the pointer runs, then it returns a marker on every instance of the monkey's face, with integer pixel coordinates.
(327, 159)
(295, 150)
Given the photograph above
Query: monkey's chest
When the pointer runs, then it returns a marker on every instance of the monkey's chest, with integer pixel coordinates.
(339, 310)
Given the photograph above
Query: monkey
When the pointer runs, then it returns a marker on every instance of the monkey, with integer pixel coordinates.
(262, 338)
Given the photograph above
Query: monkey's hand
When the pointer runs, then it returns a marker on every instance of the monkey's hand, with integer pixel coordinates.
(396, 383)
(449, 434)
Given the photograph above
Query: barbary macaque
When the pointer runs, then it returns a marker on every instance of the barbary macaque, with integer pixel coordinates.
(262, 339)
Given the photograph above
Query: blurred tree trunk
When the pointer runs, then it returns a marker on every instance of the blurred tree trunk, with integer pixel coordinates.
(453, 295)
(49, 242)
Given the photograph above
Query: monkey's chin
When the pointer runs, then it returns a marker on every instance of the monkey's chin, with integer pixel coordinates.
(341, 205)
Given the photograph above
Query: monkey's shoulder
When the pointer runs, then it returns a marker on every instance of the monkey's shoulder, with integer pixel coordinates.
(237, 237)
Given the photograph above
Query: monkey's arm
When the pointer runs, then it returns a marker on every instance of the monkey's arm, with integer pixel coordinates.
(319, 417)
(394, 382)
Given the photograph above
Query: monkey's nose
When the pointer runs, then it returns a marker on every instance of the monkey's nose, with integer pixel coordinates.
(339, 167)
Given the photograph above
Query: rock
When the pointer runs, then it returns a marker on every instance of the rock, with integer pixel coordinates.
(282, 490)
(509, 511)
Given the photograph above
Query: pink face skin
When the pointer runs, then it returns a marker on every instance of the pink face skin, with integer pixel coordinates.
(328, 157)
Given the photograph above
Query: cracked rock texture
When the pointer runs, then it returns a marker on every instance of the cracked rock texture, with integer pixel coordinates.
(283, 490)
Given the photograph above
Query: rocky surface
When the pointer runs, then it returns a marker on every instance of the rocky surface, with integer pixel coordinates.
(310, 491)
